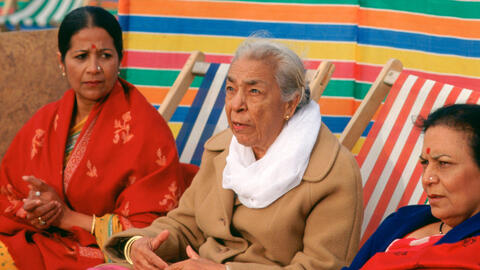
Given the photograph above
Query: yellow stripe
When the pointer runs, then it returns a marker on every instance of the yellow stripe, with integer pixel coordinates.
(446, 64)
(228, 45)
(175, 128)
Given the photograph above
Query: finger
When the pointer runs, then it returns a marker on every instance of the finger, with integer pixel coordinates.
(36, 183)
(159, 239)
(191, 253)
(51, 213)
(143, 256)
(41, 210)
(29, 205)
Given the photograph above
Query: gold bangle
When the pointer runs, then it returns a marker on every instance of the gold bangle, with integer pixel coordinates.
(92, 230)
(128, 247)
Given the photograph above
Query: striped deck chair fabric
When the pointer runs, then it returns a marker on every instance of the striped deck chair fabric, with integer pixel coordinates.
(206, 115)
(389, 157)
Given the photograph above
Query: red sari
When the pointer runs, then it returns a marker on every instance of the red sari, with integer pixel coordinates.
(124, 166)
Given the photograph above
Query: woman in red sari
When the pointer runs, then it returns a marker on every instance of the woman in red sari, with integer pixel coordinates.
(98, 161)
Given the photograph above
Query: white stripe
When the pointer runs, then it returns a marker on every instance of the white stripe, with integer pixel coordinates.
(205, 111)
(42, 17)
(77, 4)
(377, 145)
(463, 96)
(397, 148)
(417, 192)
(222, 122)
(26, 12)
(61, 11)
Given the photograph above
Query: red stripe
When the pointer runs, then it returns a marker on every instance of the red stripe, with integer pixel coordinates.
(367, 145)
(384, 156)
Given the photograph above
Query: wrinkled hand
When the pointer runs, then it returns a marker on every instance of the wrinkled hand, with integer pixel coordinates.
(43, 206)
(143, 255)
(195, 263)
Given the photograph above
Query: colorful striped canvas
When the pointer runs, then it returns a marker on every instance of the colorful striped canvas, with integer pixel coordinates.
(389, 157)
(436, 39)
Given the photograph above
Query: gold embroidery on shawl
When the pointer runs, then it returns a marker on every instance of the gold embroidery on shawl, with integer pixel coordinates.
(131, 180)
(92, 170)
(37, 142)
(162, 159)
(77, 155)
(122, 129)
(55, 122)
(170, 200)
(90, 252)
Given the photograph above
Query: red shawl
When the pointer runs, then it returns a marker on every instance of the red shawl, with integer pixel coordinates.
(124, 162)
(463, 254)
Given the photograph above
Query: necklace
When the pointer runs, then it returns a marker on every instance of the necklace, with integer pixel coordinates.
(441, 227)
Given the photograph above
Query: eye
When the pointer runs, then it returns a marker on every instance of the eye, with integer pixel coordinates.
(423, 162)
(254, 91)
(443, 163)
(81, 56)
(106, 55)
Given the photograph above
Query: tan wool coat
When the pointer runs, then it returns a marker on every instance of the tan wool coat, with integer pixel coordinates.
(316, 225)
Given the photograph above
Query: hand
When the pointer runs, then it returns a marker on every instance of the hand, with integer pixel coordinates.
(143, 255)
(43, 206)
(195, 263)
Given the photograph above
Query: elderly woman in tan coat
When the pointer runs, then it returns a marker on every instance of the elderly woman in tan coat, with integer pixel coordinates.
(276, 190)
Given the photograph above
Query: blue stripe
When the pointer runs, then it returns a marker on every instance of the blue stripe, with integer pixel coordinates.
(420, 42)
(302, 31)
(194, 110)
(210, 125)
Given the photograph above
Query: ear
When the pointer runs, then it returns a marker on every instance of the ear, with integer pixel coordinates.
(291, 105)
(61, 65)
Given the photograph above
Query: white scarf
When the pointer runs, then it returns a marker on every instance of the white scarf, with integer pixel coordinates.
(258, 183)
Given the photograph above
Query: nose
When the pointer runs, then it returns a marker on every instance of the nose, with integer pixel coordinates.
(94, 65)
(238, 101)
(429, 176)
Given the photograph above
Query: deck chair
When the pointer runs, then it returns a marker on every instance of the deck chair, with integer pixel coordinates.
(388, 159)
(206, 116)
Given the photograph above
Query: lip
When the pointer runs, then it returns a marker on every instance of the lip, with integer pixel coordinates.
(92, 83)
(238, 126)
(434, 197)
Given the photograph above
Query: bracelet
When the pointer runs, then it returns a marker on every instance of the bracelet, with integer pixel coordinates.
(92, 230)
(128, 247)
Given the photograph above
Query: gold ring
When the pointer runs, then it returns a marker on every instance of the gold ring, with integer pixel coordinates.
(41, 221)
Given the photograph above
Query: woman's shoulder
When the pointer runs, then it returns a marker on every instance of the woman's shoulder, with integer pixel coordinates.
(219, 141)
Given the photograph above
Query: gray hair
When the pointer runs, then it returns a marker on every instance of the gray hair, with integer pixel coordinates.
(289, 69)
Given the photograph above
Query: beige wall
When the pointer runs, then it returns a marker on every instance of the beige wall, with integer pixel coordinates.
(29, 78)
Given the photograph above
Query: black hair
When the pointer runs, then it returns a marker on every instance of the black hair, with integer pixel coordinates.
(89, 16)
(463, 117)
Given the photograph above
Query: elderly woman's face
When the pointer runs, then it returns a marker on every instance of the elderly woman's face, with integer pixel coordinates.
(451, 178)
(255, 110)
(91, 64)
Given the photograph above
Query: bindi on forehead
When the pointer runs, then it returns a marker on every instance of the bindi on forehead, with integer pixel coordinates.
(428, 150)
(93, 46)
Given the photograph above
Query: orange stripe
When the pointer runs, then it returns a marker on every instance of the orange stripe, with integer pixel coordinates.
(248, 11)
(444, 26)
(156, 95)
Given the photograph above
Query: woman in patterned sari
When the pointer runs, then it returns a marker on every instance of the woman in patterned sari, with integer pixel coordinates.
(98, 161)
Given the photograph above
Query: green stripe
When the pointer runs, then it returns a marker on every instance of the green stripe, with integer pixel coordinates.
(334, 2)
(346, 88)
(450, 8)
(161, 78)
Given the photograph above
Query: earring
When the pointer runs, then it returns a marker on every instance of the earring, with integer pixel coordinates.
(63, 74)
(287, 117)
